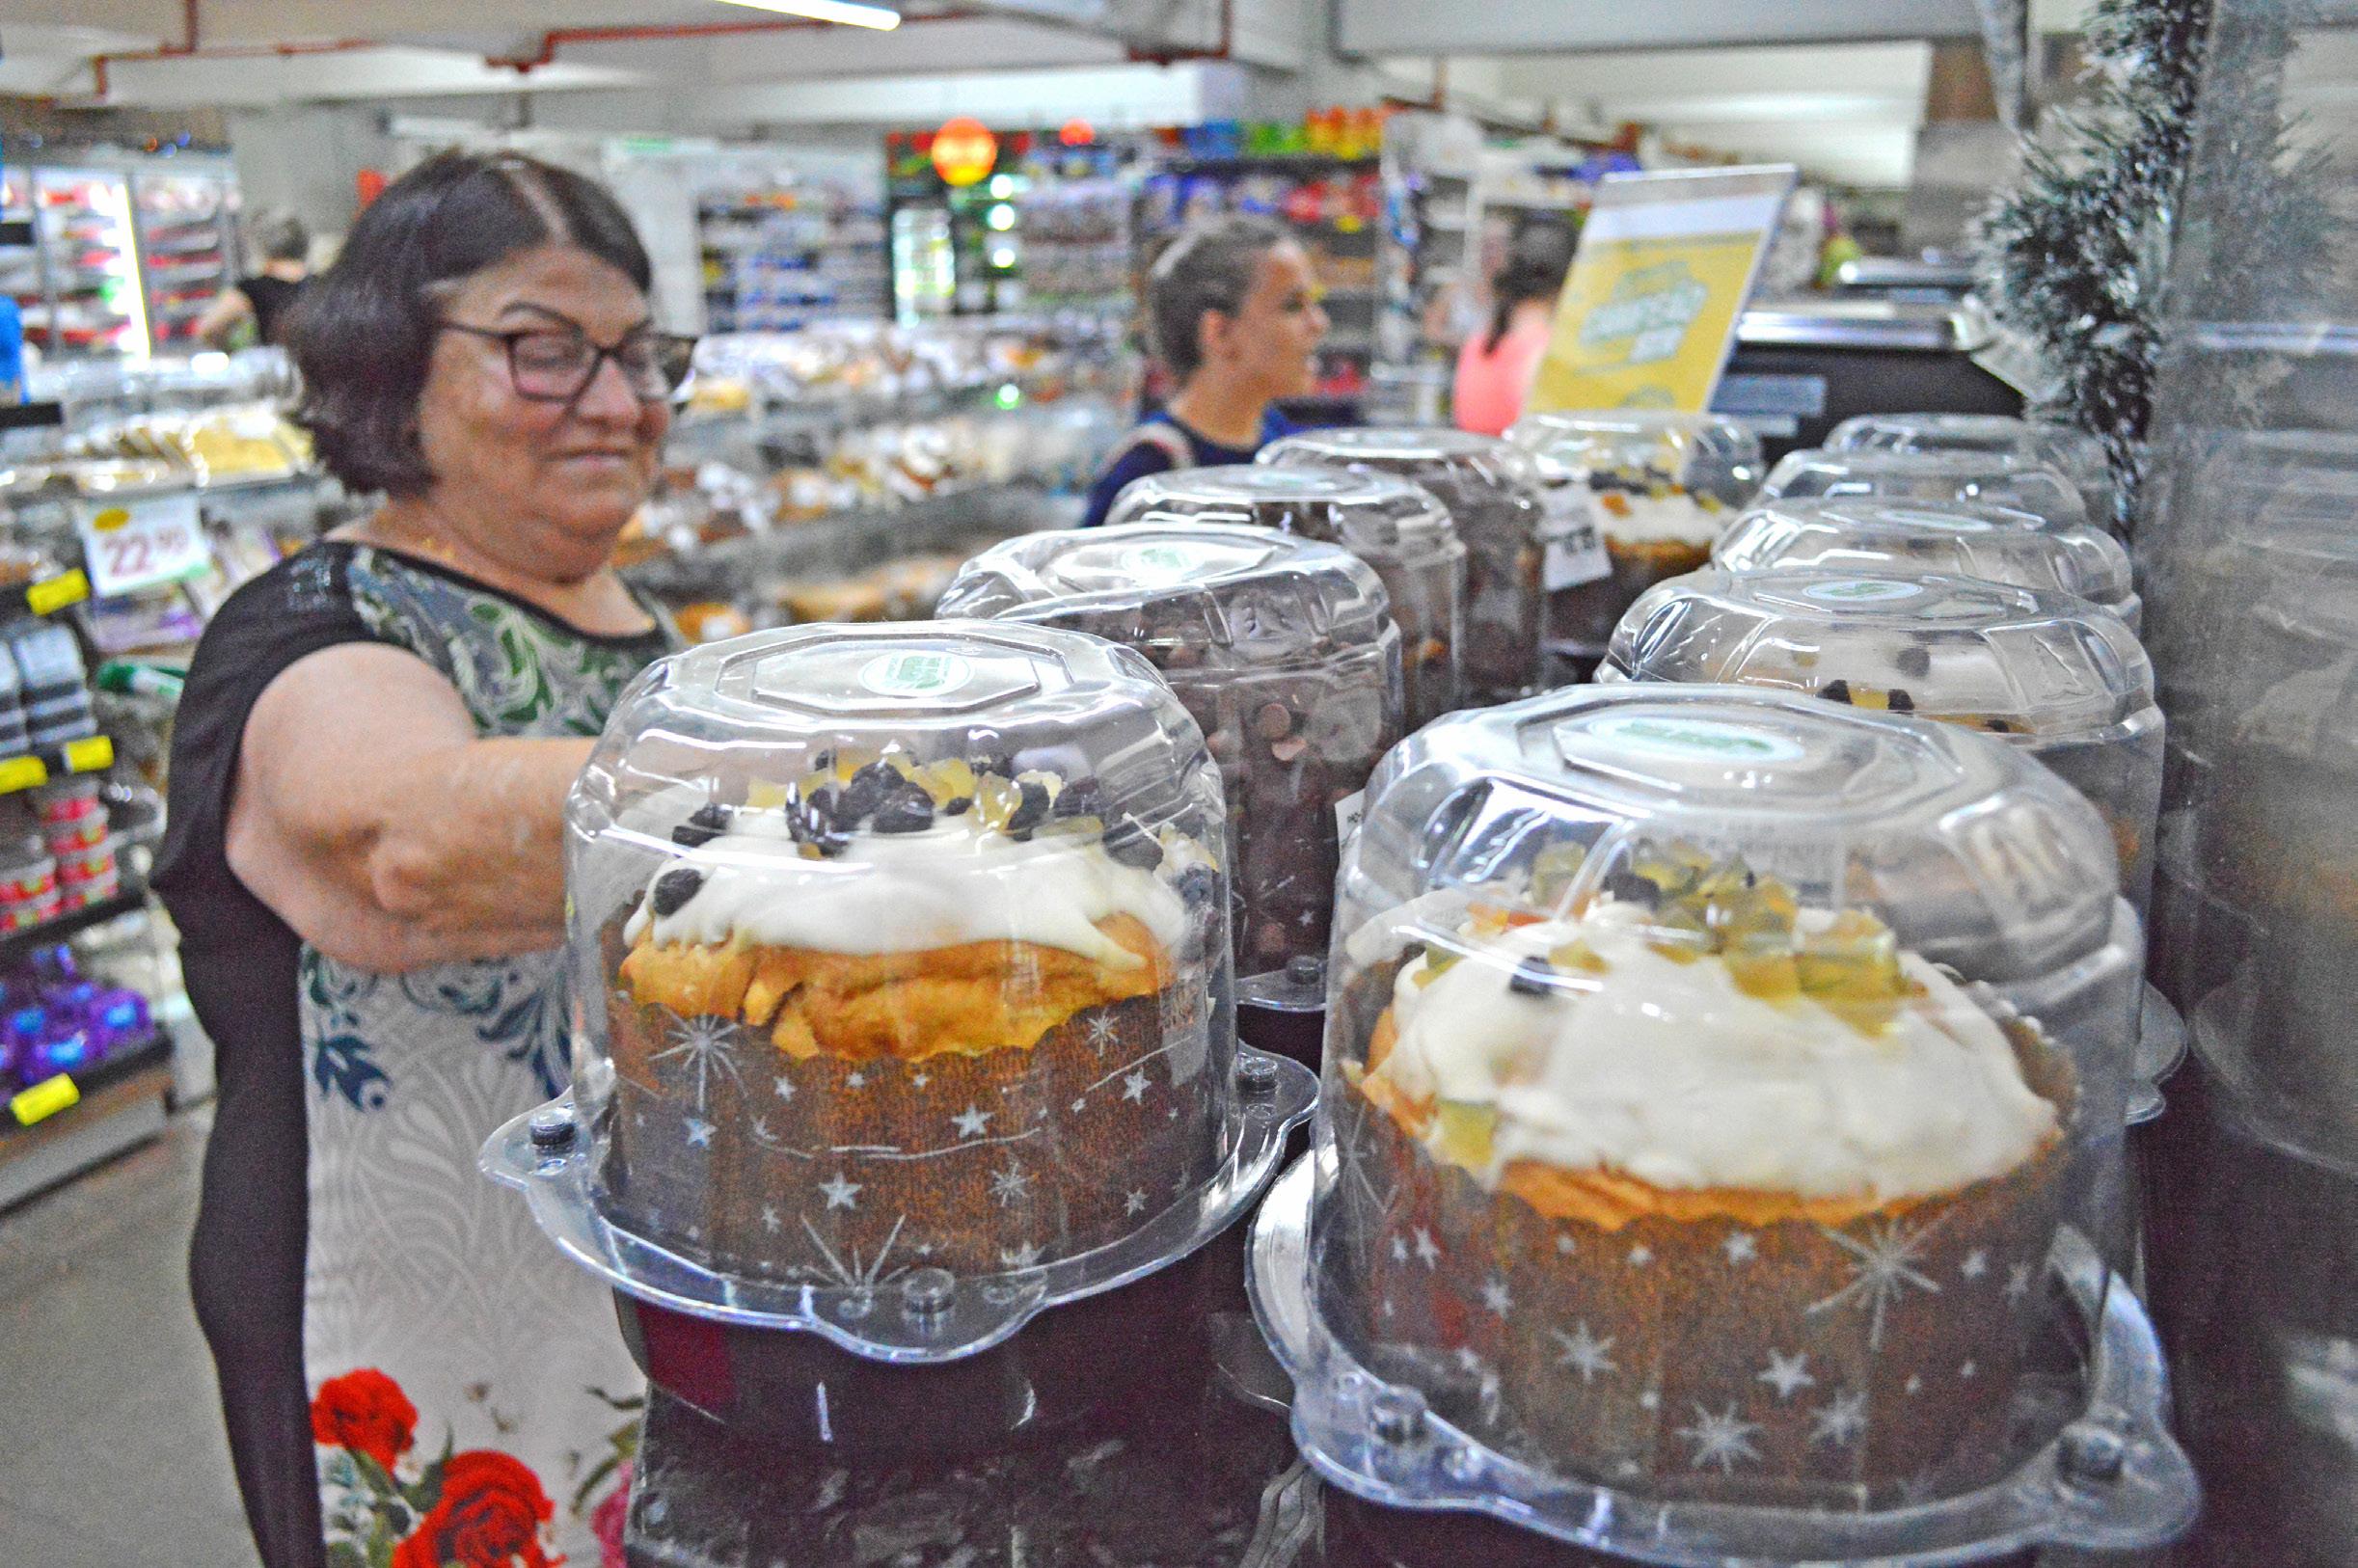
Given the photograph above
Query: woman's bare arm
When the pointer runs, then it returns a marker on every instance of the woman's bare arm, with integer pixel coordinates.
(221, 318)
(371, 819)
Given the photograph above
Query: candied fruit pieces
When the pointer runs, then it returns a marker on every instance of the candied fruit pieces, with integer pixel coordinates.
(1462, 1132)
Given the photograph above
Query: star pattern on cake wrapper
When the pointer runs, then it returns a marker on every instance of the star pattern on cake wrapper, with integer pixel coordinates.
(1399, 1250)
(770, 1222)
(1723, 1438)
(1134, 1086)
(700, 1045)
(971, 1123)
(1883, 1267)
(841, 1192)
(1976, 1264)
(1011, 1186)
(699, 1132)
(784, 1087)
(1494, 1296)
(2018, 1282)
(1135, 1203)
(1102, 1032)
(1022, 1256)
(1427, 1252)
(1585, 1352)
(1741, 1247)
(1841, 1420)
(855, 1079)
(1788, 1375)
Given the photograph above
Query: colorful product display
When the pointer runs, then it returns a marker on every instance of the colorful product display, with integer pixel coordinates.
(54, 1021)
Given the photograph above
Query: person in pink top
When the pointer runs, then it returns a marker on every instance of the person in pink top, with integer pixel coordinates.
(1495, 368)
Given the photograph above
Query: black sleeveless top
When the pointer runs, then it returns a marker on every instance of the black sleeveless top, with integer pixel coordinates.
(270, 297)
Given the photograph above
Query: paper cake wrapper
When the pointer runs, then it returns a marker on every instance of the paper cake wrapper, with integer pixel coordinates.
(844, 1173)
(1791, 1364)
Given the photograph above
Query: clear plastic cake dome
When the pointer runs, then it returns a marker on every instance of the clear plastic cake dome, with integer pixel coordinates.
(2072, 453)
(1494, 492)
(1285, 651)
(2046, 672)
(1719, 1147)
(1395, 527)
(901, 988)
(2002, 478)
(1659, 487)
(1954, 538)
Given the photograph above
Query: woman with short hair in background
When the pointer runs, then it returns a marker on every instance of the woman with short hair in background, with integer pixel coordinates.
(1233, 312)
(369, 776)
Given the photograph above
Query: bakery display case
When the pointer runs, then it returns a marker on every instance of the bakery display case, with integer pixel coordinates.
(2004, 478)
(1395, 526)
(906, 1012)
(2072, 453)
(1957, 538)
(1658, 488)
(1719, 1144)
(1493, 492)
(1283, 650)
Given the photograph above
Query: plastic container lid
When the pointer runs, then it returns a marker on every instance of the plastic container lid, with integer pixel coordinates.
(909, 1013)
(2075, 454)
(1668, 1195)
(1397, 527)
(1999, 477)
(1973, 539)
(2005, 659)
(1494, 492)
(1705, 454)
(1282, 648)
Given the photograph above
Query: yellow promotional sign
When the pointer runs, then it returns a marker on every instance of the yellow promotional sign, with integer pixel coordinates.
(1665, 265)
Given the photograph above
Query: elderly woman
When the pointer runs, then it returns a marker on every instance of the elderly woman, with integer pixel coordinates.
(1233, 312)
(368, 783)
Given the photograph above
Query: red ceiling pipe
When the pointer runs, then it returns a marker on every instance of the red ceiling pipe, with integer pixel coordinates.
(99, 63)
(558, 38)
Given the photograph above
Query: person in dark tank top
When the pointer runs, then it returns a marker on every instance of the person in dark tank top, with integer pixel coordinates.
(262, 300)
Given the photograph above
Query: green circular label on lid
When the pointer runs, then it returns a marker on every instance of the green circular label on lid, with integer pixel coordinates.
(915, 673)
(1690, 740)
(1163, 562)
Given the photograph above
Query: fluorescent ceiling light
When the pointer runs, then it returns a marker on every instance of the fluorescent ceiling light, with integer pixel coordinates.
(884, 18)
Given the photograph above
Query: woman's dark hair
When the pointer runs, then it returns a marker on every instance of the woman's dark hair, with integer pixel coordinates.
(1537, 258)
(1208, 267)
(363, 331)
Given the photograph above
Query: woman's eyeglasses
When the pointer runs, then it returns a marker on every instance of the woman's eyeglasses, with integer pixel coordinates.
(555, 365)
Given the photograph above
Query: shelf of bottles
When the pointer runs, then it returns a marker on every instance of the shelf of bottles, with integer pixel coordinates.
(783, 258)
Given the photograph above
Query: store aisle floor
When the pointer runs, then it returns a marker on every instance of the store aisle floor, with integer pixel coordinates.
(111, 1452)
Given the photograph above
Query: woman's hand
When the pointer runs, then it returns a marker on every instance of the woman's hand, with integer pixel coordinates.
(369, 816)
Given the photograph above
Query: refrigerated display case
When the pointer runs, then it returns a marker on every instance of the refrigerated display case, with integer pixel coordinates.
(96, 301)
(782, 257)
(21, 275)
(187, 235)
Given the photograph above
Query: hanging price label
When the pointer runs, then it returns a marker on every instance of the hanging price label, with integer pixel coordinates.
(44, 1100)
(142, 543)
(1575, 548)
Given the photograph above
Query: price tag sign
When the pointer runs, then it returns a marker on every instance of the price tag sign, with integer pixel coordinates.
(44, 1100)
(142, 543)
(57, 592)
(1575, 547)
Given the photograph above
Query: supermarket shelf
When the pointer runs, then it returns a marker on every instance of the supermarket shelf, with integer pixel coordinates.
(120, 1104)
(16, 231)
(32, 416)
(1269, 163)
(16, 943)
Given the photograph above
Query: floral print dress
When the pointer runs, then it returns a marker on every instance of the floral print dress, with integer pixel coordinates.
(475, 1404)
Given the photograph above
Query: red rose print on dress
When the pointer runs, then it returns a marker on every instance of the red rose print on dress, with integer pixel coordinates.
(488, 1516)
(365, 1412)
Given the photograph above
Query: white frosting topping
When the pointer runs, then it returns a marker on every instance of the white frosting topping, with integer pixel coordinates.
(1668, 1072)
(1677, 516)
(954, 883)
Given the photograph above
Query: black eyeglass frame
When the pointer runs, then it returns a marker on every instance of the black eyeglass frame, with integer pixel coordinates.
(672, 361)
